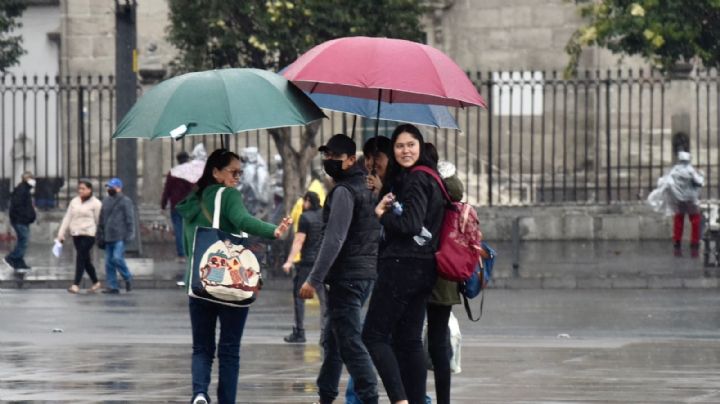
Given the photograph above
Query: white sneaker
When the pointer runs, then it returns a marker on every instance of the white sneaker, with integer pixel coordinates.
(200, 399)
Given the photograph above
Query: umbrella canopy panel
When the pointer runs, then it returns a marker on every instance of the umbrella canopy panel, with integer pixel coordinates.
(218, 102)
(421, 114)
(405, 71)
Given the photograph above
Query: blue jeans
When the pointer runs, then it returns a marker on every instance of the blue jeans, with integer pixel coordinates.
(23, 235)
(203, 317)
(115, 261)
(177, 222)
(342, 342)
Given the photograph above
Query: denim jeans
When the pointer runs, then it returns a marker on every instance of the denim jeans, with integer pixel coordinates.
(342, 342)
(115, 261)
(394, 322)
(177, 223)
(203, 317)
(23, 235)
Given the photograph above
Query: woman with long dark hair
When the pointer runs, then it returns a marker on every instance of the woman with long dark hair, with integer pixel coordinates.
(411, 213)
(81, 220)
(221, 170)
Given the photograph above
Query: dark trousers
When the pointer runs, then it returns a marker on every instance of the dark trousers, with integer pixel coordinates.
(342, 342)
(83, 260)
(301, 274)
(17, 255)
(393, 326)
(177, 223)
(440, 349)
(203, 317)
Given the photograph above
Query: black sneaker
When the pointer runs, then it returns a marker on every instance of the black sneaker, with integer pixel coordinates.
(111, 291)
(200, 399)
(297, 336)
(9, 262)
(23, 265)
(128, 286)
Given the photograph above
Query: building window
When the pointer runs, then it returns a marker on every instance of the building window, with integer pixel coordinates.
(518, 93)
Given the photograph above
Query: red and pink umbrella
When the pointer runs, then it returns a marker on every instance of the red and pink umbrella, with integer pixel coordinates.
(384, 69)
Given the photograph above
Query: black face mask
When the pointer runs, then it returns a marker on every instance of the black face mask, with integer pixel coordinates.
(333, 168)
(112, 191)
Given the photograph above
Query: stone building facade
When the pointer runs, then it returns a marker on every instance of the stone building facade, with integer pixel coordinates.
(520, 41)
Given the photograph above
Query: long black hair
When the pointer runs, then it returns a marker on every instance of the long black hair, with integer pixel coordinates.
(395, 171)
(219, 159)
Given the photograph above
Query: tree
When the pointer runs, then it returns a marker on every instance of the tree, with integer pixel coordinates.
(10, 45)
(664, 32)
(271, 34)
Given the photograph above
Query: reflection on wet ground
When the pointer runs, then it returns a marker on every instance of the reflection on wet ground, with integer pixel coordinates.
(623, 347)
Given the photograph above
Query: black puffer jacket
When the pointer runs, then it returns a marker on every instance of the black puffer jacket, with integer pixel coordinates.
(423, 205)
(21, 206)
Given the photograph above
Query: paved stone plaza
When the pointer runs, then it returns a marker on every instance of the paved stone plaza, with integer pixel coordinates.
(624, 346)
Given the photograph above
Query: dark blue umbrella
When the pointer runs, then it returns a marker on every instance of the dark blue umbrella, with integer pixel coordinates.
(422, 114)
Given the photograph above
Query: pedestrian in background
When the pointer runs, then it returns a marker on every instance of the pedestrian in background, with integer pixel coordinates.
(306, 241)
(117, 218)
(377, 152)
(81, 220)
(22, 214)
(178, 184)
(222, 170)
(346, 268)
(684, 186)
(411, 213)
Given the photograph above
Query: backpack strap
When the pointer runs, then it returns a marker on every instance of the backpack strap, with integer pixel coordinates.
(434, 174)
(466, 302)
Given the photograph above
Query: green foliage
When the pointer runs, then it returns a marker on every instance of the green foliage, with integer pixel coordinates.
(10, 45)
(664, 32)
(270, 34)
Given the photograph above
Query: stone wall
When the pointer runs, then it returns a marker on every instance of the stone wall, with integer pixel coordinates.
(512, 35)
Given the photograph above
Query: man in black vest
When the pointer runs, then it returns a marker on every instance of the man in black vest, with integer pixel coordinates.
(346, 267)
(306, 242)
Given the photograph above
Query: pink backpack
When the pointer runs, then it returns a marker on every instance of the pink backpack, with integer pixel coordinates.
(460, 239)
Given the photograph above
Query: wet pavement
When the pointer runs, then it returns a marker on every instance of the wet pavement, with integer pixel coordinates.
(531, 346)
(541, 264)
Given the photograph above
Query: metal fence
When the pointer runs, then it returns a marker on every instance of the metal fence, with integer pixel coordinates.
(601, 137)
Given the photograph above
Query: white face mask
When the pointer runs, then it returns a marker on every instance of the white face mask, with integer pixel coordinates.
(31, 182)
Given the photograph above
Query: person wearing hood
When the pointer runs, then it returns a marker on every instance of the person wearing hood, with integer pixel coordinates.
(222, 170)
(178, 184)
(22, 214)
(684, 188)
(346, 267)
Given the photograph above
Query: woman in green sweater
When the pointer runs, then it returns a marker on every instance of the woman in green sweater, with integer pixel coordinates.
(221, 170)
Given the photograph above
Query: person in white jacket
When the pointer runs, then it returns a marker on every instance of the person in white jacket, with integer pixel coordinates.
(81, 220)
(684, 185)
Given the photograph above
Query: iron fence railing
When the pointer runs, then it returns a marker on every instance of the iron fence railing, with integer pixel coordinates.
(600, 137)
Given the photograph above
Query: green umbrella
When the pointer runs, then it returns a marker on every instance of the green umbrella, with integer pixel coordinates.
(218, 102)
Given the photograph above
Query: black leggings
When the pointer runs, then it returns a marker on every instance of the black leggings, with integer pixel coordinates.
(440, 350)
(83, 261)
(393, 326)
